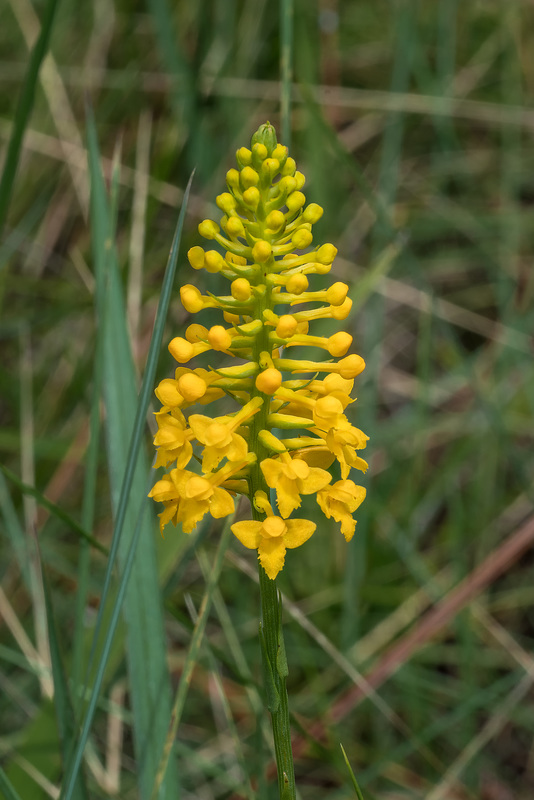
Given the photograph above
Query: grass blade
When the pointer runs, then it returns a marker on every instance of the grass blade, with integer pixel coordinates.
(286, 68)
(357, 789)
(24, 110)
(9, 792)
(62, 699)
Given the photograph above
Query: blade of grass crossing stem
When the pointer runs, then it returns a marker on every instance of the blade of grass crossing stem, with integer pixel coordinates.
(8, 792)
(62, 700)
(286, 68)
(190, 661)
(150, 683)
(88, 515)
(24, 109)
(357, 789)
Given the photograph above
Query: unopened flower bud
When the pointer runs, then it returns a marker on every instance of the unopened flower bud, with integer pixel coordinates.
(326, 254)
(226, 202)
(300, 179)
(213, 261)
(191, 387)
(287, 325)
(241, 290)
(341, 312)
(251, 198)
(351, 366)
(191, 299)
(208, 229)
(181, 350)
(234, 227)
(261, 251)
(337, 293)
(244, 156)
(312, 213)
(302, 238)
(339, 343)
(232, 179)
(289, 167)
(219, 338)
(297, 283)
(195, 256)
(168, 394)
(249, 177)
(269, 380)
(275, 221)
(266, 136)
(295, 201)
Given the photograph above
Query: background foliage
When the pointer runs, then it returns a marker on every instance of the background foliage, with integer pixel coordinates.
(413, 645)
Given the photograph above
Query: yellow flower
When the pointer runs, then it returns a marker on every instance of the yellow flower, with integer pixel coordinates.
(291, 478)
(277, 288)
(343, 443)
(272, 537)
(172, 440)
(188, 497)
(340, 501)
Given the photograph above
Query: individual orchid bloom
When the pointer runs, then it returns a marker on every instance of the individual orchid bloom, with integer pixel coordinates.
(291, 477)
(219, 438)
(340, 501)
(271, 537)
(343, 443)
(172, 440)
(188, 497)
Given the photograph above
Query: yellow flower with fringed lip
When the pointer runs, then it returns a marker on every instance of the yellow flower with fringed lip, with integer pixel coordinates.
(219, 437)
(272, 537)
(340, 501)
(343, 442)
(188, 497)
(291, 477)
(172, 440)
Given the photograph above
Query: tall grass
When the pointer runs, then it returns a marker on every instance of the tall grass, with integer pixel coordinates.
(413, 646)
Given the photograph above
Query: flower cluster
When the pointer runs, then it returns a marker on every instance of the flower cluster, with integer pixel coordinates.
(290, 424)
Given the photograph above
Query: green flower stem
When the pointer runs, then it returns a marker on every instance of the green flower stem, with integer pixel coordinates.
(275, 669)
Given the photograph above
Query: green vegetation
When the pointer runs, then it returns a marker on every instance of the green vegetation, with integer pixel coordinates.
(411, 645)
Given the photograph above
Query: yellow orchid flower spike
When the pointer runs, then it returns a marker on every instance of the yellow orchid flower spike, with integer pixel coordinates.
(290, 422)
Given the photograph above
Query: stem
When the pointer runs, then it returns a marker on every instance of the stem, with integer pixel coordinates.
(273, 648)
(271, 608)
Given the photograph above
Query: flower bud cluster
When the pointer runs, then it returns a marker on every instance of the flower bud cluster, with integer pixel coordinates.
(291, 424)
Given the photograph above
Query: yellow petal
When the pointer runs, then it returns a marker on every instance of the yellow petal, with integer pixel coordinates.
(272, 554)
(348, 526)
(190, 512)
(238, 449)
(298, 532)
(222, 503)
(317, 479)
(163, 490)
(287, 496)
(317, 456)
(199, 425)
(271, 471)
(247, 532)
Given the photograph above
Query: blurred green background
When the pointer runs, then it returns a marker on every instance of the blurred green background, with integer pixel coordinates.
(413, 123)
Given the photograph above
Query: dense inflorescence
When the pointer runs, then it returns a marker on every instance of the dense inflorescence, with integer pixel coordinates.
(290, 425)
